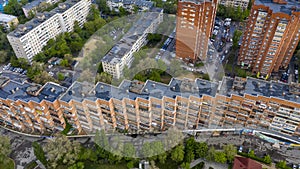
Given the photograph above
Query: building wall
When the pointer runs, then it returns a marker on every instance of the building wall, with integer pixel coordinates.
(235, 3)
(193, 29)
(269, 40)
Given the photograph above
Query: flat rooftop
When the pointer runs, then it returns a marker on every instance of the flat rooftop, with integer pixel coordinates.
(287, 7)
(40, 18)
(126, 89)
(6, 18)
(123, 47)
(195, 1)
(33, 4)
(29, 91)
(257, 87)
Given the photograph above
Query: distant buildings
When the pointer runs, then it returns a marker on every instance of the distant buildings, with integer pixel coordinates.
(271, 36)
(32, 6)
(271, 107)
(245, 163)
(194, 27)
(121, 54)
(29, 39)
(8, 20)
(235, 3)
(143, 5)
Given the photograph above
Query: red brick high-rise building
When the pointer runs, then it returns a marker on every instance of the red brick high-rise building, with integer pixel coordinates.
(271, 36)
(195, 20)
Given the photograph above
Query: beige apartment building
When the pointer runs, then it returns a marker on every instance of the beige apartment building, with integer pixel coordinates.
(30, 38)
(243, 4)
(151, 106)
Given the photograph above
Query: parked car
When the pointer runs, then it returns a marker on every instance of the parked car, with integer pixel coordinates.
(284, 77)
(241, 149)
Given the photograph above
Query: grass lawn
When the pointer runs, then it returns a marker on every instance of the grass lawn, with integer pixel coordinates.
(104, 166)
(10, 165)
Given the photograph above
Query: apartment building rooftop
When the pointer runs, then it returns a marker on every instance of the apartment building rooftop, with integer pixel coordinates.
(143, 3)
(120, 49)
(29, 92)
(33, 4)
(144, 22)
(196, 1)
(40, 18)
(6, 18)
(135, 89)
(258, 87)
(28, 26)
(79, 91)
(284, 6)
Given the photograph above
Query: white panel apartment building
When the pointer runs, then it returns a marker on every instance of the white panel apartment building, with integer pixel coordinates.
(235, 3)
(29, 39)
(121, 54)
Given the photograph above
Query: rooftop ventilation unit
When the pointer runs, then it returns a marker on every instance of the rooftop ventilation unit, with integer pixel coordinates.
(41, 17)
(62, 6)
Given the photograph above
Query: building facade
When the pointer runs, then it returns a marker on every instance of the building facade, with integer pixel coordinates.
(271, 36)
(243, 4)
(194, 26)
(121, 54)
(129, 5)
(152, 106)
(30, 38)
(8, 20)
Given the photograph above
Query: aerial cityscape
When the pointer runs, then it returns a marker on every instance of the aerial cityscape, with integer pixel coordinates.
(149, 84)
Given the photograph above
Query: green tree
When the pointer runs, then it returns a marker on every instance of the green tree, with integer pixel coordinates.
(177, 153)
(135, 9)
(176, 69)
(14, 8)
(130, 164)
(189, 150)
(281, 165)
(251, 154)
(104, 77)
(201, 150)
(61, 151)
(100, 68)
(78, 165)
(220, 157)
(230, 152)
(102, 5)
(129, 150)
(267, 159)
(64, 63)
(236, 37)
(185, 165)
(39, 153)
(211, 154)
(147, 150)
(122, 11)
(60, 76)
(5, 149)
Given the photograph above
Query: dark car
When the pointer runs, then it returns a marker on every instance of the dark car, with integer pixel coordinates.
(284, 77)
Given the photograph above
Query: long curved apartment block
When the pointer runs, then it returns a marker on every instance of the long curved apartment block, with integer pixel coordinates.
(151, 106)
